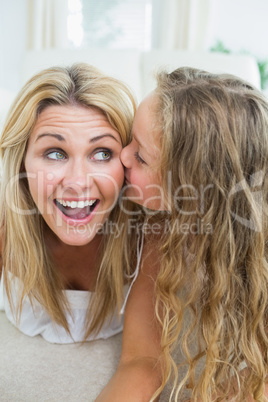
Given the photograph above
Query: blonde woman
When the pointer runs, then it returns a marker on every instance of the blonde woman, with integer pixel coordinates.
(61, 225)
(198, 162)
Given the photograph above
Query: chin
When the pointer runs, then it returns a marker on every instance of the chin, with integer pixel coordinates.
(77, 242)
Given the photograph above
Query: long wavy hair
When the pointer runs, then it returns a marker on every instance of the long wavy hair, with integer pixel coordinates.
(24, 251)
(214, 256)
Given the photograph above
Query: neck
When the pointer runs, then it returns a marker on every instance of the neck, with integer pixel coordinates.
(78, 265)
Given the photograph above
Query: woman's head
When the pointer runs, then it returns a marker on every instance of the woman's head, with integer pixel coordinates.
(74, 171)
(79, 101)
(80, 87)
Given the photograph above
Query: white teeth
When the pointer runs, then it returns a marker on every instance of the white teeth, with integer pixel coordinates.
(76, 204)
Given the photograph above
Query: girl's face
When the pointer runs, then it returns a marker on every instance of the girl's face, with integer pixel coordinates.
(141, 158)
(74, 170)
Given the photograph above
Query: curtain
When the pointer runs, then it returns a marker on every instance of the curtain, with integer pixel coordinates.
(47, 24)
(180, 24)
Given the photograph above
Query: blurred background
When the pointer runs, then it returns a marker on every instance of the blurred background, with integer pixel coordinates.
(129, 38)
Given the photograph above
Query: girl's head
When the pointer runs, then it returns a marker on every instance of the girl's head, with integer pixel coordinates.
(57, 93)
(196, 133)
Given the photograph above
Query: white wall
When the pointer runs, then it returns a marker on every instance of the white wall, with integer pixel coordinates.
(13, 36)
(240, 25)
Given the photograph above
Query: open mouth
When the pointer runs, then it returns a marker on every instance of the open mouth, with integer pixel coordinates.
(77, 210)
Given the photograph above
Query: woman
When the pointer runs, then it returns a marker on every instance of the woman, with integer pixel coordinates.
(63, 266)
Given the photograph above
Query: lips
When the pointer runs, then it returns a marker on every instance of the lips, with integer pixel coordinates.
(76, 210)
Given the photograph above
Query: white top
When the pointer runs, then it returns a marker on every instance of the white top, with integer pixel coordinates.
(36, 321)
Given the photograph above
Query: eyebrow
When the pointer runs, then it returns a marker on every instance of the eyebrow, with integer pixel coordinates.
(57, 136)
(143, 146)
(60, 137)
(99, 137)
(136, 139)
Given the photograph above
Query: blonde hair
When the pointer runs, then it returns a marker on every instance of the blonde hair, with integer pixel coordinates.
(214, 255)
(24, 251)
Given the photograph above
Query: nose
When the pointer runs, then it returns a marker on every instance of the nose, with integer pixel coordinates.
(125, 156)
(78, 177)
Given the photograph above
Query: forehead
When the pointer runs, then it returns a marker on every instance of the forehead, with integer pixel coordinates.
(147, 109)
(72, 122)
(146, 128)
(69, 113)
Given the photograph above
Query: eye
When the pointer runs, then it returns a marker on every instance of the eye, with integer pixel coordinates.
(55, 155)
(103, 155)
(138, 158)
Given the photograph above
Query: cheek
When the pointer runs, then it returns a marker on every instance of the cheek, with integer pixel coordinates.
(112, 181)
(138, 187)
(137, 178)
(42, 183)
(37, 177)
(148, 186)
(154, 187)
(154, 194)
(117, 174)
(141, 179)
(41, 190)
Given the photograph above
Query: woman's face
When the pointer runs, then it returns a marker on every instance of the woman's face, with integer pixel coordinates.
(74, 170)
(141, 158)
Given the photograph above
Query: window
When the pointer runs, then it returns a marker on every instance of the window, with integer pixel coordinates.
(113, 24)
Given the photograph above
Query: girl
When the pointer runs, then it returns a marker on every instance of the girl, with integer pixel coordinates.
(61, 226)
(198, 162)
